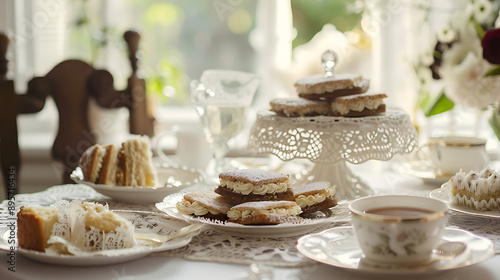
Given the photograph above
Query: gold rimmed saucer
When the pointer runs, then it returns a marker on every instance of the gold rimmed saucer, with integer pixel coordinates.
(339, 247)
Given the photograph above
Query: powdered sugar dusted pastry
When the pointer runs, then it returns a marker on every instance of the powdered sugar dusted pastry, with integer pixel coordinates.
(205, 203)
(315, 196)
(254, 185)
(477, 190)
(358, 105)
(264, 212)
(321, 87)
(299, 107)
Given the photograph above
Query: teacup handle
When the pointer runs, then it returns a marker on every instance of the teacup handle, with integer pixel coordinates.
(417, 154)
(158, 149)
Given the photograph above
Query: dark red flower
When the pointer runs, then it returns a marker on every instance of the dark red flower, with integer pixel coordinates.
(491, 46)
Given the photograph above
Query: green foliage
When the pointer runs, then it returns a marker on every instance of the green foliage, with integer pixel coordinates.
(438, 105)
(309, 17)
(494, 122)
(493, 72)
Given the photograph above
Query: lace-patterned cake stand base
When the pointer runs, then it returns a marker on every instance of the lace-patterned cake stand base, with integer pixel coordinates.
(330, 142)
(348, 185)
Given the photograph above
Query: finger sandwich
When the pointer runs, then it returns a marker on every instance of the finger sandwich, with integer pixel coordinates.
(315, 196)
(264, 212)
(205, 203)
(254, 185)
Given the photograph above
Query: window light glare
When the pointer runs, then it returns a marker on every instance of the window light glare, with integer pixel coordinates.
(239, 21)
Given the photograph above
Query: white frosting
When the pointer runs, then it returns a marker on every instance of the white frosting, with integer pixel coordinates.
(344, 108)
(307, 111)
(236, 213)
(188, 208)
(486, 182)
(247, 188)
(304, 201)
(483, 205)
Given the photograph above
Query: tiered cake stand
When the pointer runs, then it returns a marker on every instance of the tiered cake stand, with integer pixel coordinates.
(330, 142)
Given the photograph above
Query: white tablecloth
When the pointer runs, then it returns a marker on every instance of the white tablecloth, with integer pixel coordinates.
(379, 176)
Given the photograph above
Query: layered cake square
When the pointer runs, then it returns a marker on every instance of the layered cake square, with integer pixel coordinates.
(477, 190)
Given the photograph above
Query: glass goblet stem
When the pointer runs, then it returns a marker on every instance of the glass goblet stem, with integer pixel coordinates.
(220, 150)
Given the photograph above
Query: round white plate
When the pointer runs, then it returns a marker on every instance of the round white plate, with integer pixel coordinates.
(422, 171)
(144, 222)
(339, 247)
(443, 194)
(340, 213)
(172, 179)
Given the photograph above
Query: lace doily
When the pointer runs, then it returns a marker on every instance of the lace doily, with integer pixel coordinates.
(215, 246)
(334, 139)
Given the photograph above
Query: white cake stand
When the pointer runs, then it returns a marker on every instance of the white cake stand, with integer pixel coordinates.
(330, 142)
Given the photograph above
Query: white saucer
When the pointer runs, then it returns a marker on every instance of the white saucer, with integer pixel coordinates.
(443, 194)
(338, 247)
(145, 222)
(171, 180)
(339, 213)
(421, 170)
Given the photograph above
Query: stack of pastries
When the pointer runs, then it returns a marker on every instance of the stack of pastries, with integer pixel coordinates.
(257, 197)
(339, 95)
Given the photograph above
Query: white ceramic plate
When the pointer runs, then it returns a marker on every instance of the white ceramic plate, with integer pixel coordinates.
(339, 247)
(144, 222)
(443, 194)
(172, 179)
(340, 213)
(422, 171)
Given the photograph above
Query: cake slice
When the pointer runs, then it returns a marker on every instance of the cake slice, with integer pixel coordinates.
(34, 226)
(205, 203)
(107, 173)
(299, 107)
(321, 87)
(91, 162)
(254, 185)
(477, 190)
(72, 226)
(315, 196)
(135, 164)
(264, 212)
(130, 164)
(358, 105)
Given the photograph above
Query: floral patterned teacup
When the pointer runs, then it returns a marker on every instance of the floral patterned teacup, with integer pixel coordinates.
(398, 229)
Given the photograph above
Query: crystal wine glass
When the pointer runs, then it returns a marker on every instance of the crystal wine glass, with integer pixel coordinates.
(222, 98)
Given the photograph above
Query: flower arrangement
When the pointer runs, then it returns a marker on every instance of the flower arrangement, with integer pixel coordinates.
(465, 58)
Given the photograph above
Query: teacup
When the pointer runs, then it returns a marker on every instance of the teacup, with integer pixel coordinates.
(398, 229)
(450, 154)
(192, 149)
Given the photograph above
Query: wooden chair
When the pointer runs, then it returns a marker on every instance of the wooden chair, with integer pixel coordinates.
(71, 84)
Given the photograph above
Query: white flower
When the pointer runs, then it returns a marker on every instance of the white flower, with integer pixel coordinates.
(427, 58)
(497, 22)
(462, 70)
(424, 75)
(482, 10)
(447, 34)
